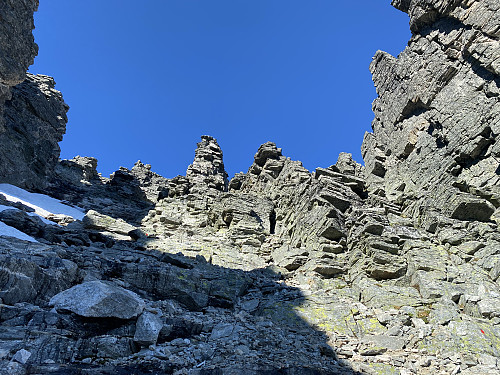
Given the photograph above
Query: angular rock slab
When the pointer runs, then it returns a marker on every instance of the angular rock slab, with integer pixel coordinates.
(147, 329)
(95, 299)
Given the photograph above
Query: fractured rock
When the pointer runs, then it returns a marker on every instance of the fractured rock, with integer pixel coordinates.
(21, 356)
(34, 123)
(147, 328)
(208, 168)
(96, 299)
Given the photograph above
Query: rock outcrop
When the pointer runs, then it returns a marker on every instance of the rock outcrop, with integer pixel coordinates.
(208, 168)
(126, 194)
(388, 268)
(18, 44)
(32, 113)
(34, 123)
(434, 146)
(18, 47)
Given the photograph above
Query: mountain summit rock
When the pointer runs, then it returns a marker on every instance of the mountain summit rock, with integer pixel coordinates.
(388, 268)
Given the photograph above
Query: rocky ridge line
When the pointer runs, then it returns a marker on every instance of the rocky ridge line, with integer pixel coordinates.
(392, 268)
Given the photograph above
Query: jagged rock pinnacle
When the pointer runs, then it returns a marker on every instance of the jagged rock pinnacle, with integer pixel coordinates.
(207, 168)
(388, 268)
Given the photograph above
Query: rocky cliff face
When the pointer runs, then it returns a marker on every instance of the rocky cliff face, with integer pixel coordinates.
(18, 45)
(388, 268)
(434, 145)
(32, 113)
(34, 123)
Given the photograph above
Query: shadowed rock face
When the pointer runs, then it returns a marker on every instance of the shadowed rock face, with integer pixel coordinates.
(391, 268)
(32, 113)
(18, 44)
(34, 123)
(434, 145)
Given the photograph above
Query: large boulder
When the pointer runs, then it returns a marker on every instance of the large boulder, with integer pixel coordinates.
(96, 299)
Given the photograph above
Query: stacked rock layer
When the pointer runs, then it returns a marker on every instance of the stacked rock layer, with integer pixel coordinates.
(388, 268)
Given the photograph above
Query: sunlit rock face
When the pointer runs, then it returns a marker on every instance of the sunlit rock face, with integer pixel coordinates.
(388, 268)
(434, 145)
(207, 169)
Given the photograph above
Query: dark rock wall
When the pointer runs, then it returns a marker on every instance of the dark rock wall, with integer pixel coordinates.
(434, 145)
(32, 113)
(18, 47)
(35, 121)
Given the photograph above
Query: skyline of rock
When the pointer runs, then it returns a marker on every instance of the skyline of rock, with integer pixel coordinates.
(388, 268)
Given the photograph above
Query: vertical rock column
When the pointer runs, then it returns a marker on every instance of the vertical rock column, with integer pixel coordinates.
(207, 170)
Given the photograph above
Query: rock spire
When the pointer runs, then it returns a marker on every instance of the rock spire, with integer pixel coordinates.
(388, 268)
(207, 168)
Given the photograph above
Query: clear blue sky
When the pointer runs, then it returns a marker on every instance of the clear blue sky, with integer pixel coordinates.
(145, 79)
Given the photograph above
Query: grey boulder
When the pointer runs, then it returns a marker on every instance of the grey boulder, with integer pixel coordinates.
(147, 329)
(96, 299)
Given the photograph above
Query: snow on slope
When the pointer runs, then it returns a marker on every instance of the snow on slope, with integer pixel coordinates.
(7, 230)
(3, 208)
(42, 204)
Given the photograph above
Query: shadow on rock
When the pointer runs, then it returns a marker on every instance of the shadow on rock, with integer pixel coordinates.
(99, 310)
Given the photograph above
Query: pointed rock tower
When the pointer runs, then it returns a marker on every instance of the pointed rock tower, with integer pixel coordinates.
(207, 169)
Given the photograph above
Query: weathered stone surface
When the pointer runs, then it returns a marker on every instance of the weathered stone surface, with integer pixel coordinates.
(32, 273)
(434, 143)
(388, 268)
(21, 356)
(267, 151)
(147, 329)
(207, 169)
(127, 194)
(99, 300)
(32, 113)
(95, 220)
(34, 122)
(288, 258)
(18, 45)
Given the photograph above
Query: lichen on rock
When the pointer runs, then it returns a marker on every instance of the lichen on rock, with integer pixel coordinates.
(392, 267)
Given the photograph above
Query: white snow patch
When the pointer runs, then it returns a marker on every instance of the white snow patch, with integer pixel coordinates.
(42, 204)
(3, 208)
(7, 230)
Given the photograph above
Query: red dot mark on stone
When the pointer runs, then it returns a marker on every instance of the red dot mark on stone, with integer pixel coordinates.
(483, 332)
